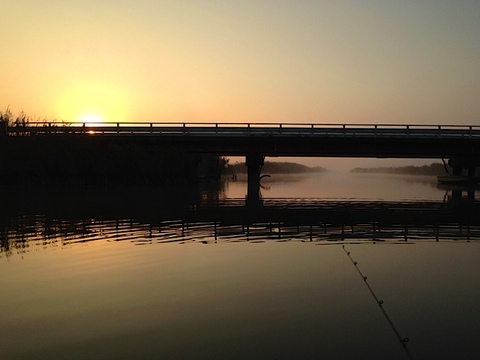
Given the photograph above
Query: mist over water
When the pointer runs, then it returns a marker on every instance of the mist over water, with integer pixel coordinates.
(339, 185)
(192, 273)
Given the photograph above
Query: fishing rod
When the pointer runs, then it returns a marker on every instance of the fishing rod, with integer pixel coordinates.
(403, 340)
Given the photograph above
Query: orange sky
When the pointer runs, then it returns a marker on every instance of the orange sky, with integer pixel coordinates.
(375, 61)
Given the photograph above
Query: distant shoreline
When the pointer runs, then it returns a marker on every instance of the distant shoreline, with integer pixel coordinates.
(271, 167)
(433, 169)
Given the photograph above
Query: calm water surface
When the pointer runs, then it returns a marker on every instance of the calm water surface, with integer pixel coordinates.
(334, 186)
(82, 280)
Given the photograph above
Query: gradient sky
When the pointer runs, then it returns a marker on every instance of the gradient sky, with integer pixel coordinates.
(339, 61)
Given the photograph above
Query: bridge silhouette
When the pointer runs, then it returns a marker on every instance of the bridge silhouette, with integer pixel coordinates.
(459, 144)
(277, 139)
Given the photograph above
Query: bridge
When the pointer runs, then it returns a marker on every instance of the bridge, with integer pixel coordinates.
(459, 144)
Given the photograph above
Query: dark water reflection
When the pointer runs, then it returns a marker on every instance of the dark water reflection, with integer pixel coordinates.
(117, 274)
(149, 216)
(231, 221)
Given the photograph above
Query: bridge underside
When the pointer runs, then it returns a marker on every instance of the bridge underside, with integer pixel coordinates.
(316, 140)
(368, 147)
(463, 152)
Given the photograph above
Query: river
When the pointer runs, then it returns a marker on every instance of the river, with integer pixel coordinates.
(194, 274)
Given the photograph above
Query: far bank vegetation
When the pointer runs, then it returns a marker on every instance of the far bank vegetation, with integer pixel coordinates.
(433, 169)
(271, 167)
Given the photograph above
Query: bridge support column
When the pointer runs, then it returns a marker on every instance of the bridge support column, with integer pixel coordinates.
(254, 164)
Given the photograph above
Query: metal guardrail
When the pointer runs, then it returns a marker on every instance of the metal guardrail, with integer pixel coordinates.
(246, 129)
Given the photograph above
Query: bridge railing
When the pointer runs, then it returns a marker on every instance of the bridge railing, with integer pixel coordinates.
(244, 129)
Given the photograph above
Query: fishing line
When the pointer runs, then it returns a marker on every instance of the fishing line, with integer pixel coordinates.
(403, 340)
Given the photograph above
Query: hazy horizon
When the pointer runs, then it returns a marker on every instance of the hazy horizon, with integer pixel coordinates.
(344, 164)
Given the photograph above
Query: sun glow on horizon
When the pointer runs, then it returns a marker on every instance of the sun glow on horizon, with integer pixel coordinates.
(94, 101)
(92, 120)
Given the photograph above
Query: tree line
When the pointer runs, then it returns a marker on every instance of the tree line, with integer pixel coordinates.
(271, 167)
(433, 169)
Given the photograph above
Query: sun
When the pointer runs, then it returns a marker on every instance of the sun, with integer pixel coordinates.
(91, 120)
(93, 101)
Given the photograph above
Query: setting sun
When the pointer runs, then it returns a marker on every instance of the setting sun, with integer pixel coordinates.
(93, 101)
(91, 120)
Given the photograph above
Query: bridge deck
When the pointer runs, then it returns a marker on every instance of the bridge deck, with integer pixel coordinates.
(269, 139)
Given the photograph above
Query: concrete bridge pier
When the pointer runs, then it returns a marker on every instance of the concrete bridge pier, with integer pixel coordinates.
(254, 162)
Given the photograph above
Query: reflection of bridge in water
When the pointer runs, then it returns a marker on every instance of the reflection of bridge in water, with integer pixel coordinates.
(278, 220)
